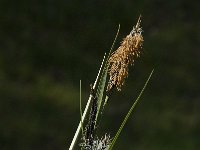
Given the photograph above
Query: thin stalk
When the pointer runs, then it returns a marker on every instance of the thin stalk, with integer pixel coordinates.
(75, 138)
(101, 70)
(129, 112)
(103, 78)
(81, 109)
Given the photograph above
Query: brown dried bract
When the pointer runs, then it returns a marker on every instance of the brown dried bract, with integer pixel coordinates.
(124, 56)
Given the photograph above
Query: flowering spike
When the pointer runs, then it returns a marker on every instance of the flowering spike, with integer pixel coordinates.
(124, 56)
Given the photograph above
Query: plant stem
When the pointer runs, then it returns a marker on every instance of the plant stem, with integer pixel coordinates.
(80, 124)
(129, 112)
(86, 110)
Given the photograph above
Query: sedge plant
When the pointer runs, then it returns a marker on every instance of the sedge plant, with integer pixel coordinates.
(115, 65)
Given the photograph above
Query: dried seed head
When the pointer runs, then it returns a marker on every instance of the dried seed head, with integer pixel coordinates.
(124, 56)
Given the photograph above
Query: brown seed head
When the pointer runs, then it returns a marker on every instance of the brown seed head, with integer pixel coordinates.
(124, 56)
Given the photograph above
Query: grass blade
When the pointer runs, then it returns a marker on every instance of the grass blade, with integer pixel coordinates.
(81, 109)
(129, 113)
(100, 74)
(102, 82)
(75, 138)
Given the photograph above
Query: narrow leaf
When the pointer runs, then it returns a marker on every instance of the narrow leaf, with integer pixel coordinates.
(75, 138)
(102, 82)
(81, 109)
(129, 113)
(99, 75)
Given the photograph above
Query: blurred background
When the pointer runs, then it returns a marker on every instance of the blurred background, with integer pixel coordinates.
(47, 46)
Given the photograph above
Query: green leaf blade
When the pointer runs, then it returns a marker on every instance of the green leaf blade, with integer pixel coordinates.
(129, 113)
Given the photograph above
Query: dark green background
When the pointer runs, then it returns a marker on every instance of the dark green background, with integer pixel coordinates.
(47, 46)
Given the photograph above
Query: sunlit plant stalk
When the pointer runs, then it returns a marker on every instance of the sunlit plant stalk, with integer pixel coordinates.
(103, 69)
(75, 138)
